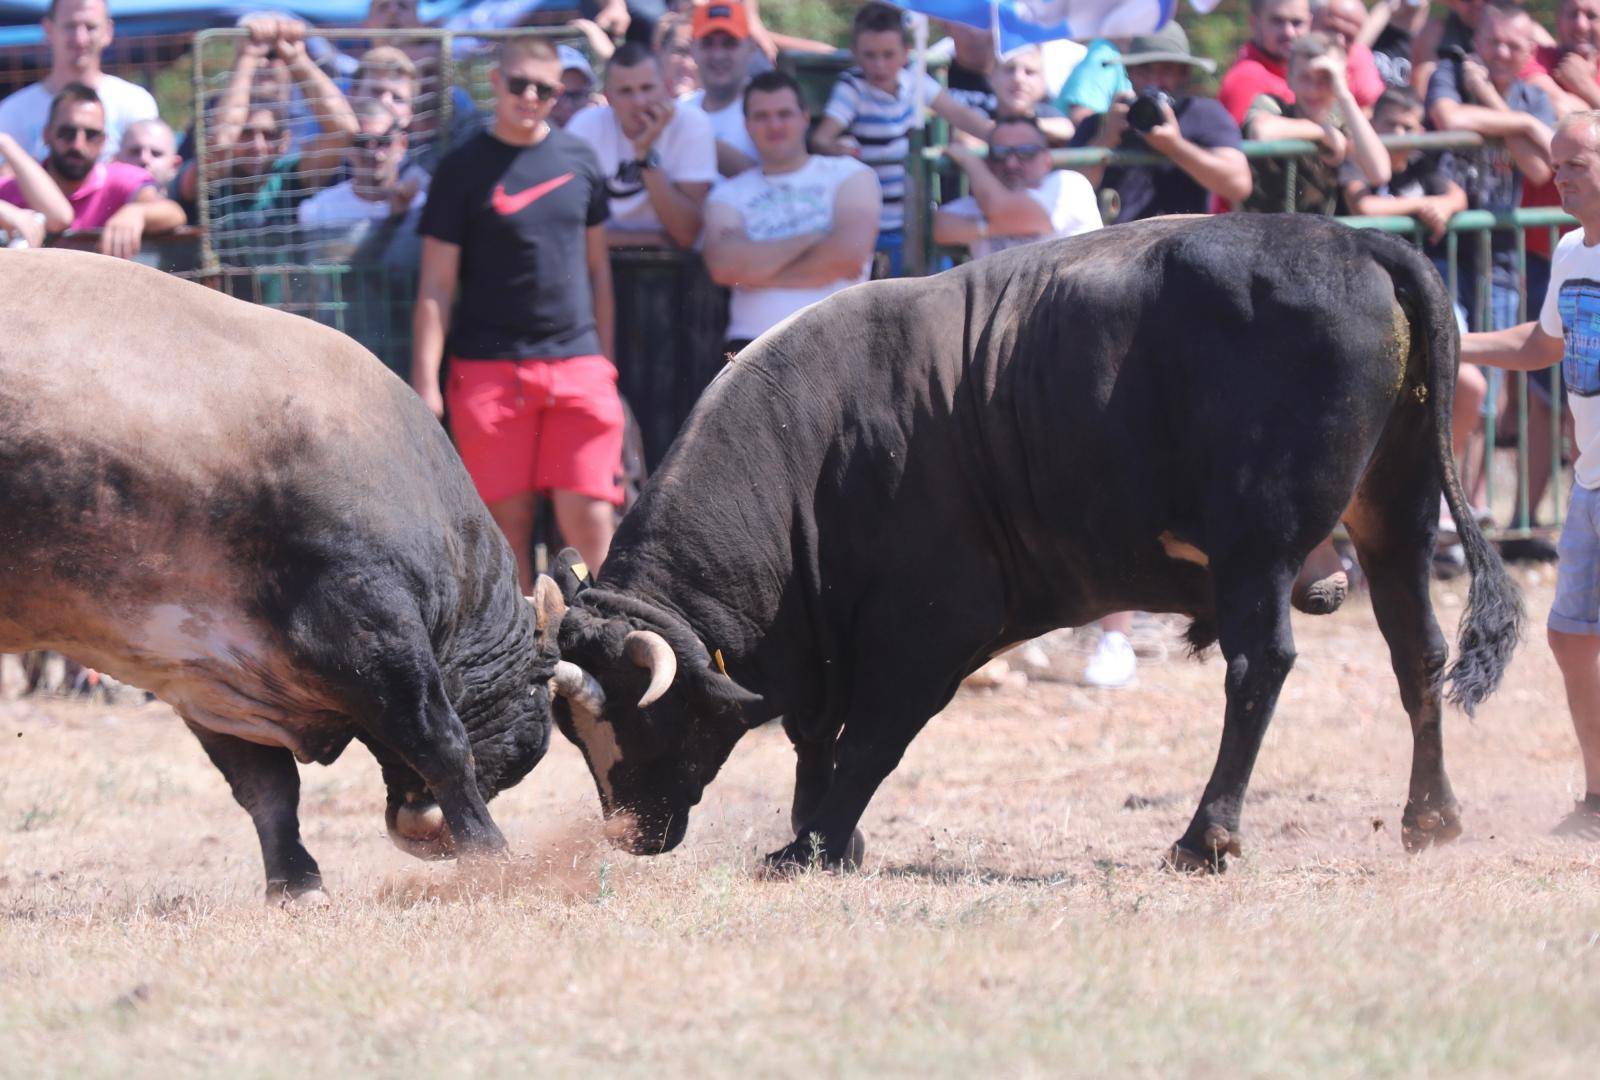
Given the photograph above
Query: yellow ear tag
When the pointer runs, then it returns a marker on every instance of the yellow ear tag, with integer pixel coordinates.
(716, 654)
(580, 569)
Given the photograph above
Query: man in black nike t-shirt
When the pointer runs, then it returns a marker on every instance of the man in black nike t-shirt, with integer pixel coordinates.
(515, 221)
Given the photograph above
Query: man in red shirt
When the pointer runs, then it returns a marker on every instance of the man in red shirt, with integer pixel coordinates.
(1261, 67)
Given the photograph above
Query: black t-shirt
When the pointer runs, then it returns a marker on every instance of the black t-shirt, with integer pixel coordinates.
(519, 215)
(1153, 191)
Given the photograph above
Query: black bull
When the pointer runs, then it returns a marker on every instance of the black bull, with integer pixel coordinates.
(886, 490)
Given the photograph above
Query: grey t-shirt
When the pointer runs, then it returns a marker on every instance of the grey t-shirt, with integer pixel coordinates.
(1490, 176)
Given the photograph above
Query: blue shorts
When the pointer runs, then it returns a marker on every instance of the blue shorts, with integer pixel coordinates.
(1576, 609)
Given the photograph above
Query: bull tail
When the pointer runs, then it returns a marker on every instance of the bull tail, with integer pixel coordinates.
(1492, 624)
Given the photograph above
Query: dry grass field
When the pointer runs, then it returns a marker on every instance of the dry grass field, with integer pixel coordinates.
(1012, 919)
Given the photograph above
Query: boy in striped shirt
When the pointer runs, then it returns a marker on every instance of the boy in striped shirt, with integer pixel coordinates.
(870, 115)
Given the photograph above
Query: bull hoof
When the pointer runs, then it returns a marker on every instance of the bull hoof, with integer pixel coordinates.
(807, 853)
(1430, 827)
(310, 900)
(419, 829)
(301, 896)
(1218, 844)
(1323, 596)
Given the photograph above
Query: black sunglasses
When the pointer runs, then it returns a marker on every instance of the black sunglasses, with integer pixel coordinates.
(69, 133)
(374, 142)
(1021, 153)
(518, 87)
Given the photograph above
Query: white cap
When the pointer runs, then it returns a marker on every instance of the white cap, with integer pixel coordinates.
(573, 60)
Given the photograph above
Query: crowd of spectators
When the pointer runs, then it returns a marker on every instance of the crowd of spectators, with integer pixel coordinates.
(325, 154)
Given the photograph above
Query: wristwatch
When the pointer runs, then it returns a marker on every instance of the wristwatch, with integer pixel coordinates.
(651, 160)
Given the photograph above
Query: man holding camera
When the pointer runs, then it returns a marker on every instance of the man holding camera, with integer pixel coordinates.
(1195, 134)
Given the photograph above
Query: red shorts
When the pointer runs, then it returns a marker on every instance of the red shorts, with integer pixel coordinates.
(538, 425)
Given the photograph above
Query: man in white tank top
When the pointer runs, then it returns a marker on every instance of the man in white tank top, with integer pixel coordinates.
(795, 228)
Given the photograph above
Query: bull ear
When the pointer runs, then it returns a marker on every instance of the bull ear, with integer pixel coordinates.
(549, 606)
(724, 697)
(571, 575)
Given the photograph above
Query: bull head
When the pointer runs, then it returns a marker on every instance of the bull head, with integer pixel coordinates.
(651, 750)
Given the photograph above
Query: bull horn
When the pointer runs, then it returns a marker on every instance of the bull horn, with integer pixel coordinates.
(579, 688)
(650, 651)
(549, 606)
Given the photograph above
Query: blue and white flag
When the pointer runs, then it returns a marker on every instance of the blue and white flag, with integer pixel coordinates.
(1019, 22)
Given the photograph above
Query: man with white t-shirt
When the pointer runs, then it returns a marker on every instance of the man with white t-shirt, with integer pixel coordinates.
(794, 230)
(1017, 197)
(368, 224)
(1568, 332)
(659, 160)
(79, 32)
(723, 50)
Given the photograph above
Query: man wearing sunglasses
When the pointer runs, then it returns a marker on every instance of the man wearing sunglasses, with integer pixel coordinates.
(369, 223)
(1016, 197)
(511, 217)
(119, 199)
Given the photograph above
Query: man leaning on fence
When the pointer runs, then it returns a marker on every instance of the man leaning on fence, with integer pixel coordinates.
(795, 229)
(78, 32)
(367, 225)
(1485, 93)
(1568, 331)
(660, 159)
(1195, 134)
(258, 179)
(1323, 111)
(512, 216)
(120, 200)
(1017, 198)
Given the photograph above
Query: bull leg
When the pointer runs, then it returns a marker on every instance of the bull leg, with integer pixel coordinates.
(1393, 523)
(1399, 581)
(415, 822)
(419, 726)
(1254, 634)
(813, 775)
(880, 724)
(266, 782)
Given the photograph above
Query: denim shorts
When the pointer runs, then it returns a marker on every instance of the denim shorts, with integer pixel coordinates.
(1576, 609)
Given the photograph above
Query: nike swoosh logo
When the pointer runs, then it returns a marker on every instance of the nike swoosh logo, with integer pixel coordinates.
(506, 205)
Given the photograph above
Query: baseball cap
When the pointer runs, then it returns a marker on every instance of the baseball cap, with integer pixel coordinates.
(573, 60)
(725, 15)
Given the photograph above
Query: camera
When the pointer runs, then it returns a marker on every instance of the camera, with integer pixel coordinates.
(1145, 113)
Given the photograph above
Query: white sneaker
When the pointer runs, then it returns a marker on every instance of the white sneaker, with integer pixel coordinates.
(1113, 662)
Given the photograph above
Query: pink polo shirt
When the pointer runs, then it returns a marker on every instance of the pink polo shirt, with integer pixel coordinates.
(107, 189)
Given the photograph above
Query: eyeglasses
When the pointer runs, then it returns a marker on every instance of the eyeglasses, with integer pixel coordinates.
(375, 142)
(517, 86)
(573, 97)
(68, 133)
(999, 154)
